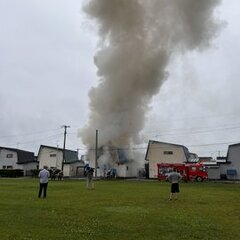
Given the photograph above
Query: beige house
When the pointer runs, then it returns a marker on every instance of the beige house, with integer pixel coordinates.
(162, 152)
(52, 157)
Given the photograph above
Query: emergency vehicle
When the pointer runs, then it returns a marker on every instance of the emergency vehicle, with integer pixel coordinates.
(189, 171)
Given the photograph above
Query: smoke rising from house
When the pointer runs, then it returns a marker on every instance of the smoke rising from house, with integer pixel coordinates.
(138, 38)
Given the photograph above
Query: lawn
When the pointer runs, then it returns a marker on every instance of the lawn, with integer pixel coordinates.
(118, 210)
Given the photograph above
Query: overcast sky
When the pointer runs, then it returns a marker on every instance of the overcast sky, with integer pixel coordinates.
(46, 70)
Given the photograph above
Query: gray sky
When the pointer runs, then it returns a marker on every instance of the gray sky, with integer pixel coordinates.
(46, 70)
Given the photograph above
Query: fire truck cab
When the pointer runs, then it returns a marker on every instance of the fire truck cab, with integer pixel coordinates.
(189, 171)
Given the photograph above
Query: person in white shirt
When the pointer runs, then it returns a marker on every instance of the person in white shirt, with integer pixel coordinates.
(43, 178)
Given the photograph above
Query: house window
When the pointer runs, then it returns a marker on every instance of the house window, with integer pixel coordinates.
(9, 167)
(4, 167)
(10, 155)
(168, 152)
(53, 155)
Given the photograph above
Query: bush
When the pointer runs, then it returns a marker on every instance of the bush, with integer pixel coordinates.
(11, 173)
(35, 172)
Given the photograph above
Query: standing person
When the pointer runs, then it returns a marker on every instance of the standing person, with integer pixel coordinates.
(43, 178)
(60, 175)
(174, 178)
(89, 174)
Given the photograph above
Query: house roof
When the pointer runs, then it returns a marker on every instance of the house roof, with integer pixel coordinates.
(185, 149)
(234, 145)
(22, 155)
(70, 155)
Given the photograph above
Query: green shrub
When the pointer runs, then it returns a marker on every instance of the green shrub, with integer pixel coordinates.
(11, 173)
(35, 172)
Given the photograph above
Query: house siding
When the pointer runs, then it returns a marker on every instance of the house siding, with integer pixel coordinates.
(233, 161)
(50, 157)
(155, 154)
(5, 161)
(71, 170)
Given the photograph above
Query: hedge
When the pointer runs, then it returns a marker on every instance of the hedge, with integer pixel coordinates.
(11, 173)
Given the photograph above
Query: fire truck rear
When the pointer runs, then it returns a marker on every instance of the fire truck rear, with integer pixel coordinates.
(189, 171)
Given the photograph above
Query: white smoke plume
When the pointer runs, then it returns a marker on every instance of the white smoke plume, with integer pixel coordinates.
(138, 38)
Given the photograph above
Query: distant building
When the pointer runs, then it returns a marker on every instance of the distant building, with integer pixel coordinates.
(114, 159)
(162, 152)
(12, 158)
(52, 157)
(205, 159)
(230, 169)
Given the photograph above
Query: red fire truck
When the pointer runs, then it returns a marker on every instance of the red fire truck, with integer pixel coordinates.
(188, 171)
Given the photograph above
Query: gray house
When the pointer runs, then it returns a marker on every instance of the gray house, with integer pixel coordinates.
(231, 168)
(12, 158)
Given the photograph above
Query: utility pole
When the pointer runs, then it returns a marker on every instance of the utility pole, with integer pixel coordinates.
(64, 143)
(96, 153)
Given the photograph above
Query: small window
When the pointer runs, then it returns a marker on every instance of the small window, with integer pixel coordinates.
(53, 155)
(194, 169)
(4, 167)
(168, 152)
(10, 155)
(9, 167)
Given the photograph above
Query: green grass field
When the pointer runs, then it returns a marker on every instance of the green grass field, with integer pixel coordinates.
(118, 210)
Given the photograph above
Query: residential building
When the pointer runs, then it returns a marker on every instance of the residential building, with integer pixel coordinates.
(12, 158)
(162, 152)
(117, 159)
(231, 168)
(52, 157)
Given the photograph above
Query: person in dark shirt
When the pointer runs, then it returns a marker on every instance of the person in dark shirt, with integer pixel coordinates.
(89, 174)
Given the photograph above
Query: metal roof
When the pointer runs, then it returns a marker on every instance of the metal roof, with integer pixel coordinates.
(22, 155)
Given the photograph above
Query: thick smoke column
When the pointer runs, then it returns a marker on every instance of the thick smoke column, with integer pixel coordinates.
(137, 40)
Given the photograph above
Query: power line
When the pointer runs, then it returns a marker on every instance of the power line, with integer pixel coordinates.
(28, 134)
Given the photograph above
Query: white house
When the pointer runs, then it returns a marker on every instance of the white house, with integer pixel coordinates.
(52, 157)
(162, 152)
(231, 168)
(117, 159)
(12, 158)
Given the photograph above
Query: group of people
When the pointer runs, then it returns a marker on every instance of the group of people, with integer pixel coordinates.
(174, 177)
(44, 175)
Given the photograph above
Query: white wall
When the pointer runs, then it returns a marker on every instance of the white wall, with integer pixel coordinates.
(4, 161)
(234, 158)
(45, 159)
(70, 170)
(213, 172)
(28, 166)
(156, 155)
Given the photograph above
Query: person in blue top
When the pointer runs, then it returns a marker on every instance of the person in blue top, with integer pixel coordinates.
(43, 179)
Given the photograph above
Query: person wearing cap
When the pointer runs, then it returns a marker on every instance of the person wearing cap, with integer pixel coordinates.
(43, 179)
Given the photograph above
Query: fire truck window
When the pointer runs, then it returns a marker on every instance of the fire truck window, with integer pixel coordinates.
(194, 168)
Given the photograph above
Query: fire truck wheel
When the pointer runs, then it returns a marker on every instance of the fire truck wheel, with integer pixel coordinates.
(199, 179)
